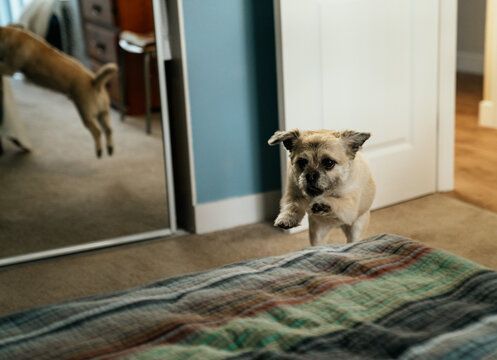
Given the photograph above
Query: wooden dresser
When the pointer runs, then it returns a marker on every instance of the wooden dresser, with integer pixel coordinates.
(103, 20)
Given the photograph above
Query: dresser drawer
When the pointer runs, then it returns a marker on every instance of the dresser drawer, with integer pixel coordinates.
(101, 43)
(112, 86)
(99, 11)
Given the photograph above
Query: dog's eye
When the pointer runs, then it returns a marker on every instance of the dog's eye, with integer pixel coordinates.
(328, 163)
(301, 163)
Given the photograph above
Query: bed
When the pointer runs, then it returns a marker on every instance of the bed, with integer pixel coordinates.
(387, 297)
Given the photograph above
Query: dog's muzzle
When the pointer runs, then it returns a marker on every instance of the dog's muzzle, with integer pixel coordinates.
(311, 189)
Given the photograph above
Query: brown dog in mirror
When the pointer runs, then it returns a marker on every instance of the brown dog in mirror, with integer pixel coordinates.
(44, 65)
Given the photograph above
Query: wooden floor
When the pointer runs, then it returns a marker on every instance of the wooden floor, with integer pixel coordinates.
(475, 148)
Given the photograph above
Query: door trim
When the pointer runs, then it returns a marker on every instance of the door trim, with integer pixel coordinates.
(447, 56)
(487, 114)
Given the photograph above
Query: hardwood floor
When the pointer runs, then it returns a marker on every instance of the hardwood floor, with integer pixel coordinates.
(475, 148)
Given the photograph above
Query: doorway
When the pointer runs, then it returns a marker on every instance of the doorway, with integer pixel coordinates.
(475, 170)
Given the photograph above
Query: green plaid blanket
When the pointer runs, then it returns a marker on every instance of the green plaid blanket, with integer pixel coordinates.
(386, 297)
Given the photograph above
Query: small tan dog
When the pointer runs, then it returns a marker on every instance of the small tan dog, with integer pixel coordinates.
(22, 51)
(328, 179)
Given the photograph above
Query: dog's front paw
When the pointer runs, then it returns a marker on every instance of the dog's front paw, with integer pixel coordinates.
(285, 221)
(320, 209)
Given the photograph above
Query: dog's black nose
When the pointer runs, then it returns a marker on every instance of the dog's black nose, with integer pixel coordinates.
(312, 177)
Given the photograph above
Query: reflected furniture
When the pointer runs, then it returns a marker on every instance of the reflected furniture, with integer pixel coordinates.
(103, 21)
(134, 43)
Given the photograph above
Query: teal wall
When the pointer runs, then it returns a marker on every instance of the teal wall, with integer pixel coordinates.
(230, 50)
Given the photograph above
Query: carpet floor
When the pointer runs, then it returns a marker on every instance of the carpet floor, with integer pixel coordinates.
(437, 220)
(60, 194)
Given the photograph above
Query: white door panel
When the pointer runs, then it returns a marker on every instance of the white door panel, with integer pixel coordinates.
(368, 65)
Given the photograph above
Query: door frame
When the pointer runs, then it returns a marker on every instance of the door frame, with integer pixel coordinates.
(447, 50)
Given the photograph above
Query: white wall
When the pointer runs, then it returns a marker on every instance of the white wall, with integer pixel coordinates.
(470, 35)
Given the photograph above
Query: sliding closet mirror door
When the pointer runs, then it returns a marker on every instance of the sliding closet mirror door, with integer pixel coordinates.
(60, 194)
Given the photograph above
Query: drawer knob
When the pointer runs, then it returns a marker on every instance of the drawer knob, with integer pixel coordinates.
(100, 48)
(96, 9)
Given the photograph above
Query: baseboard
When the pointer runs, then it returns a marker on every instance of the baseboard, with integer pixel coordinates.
(486, 116)
(468, 62)
(225, 214)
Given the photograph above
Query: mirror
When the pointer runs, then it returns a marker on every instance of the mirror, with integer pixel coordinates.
(59, 194)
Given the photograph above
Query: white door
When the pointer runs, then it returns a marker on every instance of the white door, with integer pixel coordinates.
(367, 65)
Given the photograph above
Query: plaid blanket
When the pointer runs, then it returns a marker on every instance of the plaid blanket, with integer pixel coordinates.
(382, 298)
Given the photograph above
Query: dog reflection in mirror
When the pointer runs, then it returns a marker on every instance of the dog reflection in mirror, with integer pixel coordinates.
(327, 178)
(44, 65)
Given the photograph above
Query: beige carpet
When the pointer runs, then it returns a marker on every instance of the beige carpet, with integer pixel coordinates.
(60, 194)
(437, 220)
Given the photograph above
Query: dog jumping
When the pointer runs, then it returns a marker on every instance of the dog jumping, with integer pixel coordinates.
(22, 51)
(328, 179)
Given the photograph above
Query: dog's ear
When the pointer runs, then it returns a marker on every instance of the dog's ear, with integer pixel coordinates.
(289, 138)
(104, 74)
(353, 141)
